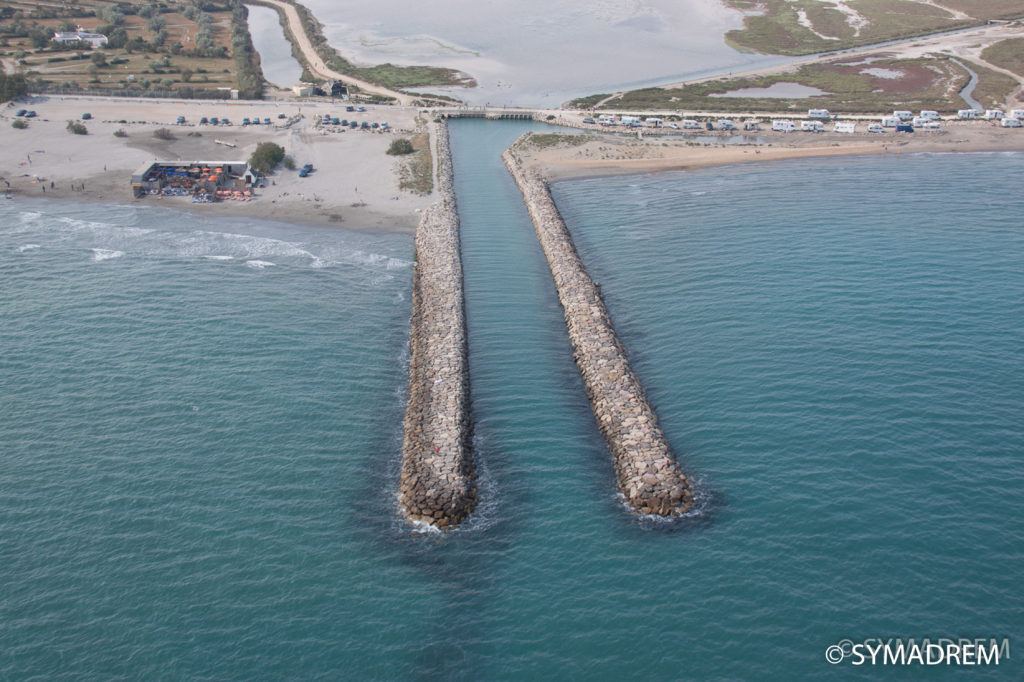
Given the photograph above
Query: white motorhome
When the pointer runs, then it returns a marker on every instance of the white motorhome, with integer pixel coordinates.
(691, 125)
(606, 119)
(1011, 123)
(919, 121)
(630, 120)
(654, 122)
(891, 121)
(1017, 114)
(903, 115)
(929, 114)
(993, 114)
(812, 126)
(876, 128)
(818, 113)
(783, 126)
(845, 127)
(967, 114)
(726, 124)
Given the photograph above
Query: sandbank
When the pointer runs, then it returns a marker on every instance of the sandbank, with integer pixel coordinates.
(355, 184)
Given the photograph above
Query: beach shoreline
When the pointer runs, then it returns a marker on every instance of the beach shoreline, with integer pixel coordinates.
(355, 184)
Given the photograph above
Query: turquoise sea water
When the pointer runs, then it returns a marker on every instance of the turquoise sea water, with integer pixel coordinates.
(199, 449)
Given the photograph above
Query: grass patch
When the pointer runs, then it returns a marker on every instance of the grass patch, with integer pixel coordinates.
(545, 140)
(416, 174)
(76, 128)
(163, 134)
(1008, 54)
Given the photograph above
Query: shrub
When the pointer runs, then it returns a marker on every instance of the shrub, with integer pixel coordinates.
(289, 163)
(266, 157)
(163, 134)
(120, 132)
(77, 128)
(400, 146)
(19, 124)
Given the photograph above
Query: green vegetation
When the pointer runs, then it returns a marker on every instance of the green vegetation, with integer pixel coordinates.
(163, 134)
(401, 146)
(778, 29)
(120, 132)
(988, 9)
(12, 87)
(543, 140)
(266, 157)
(924, 84)
(247, 59)
(288, 163)
(77, 128)
(417, 174)
(1008, 54)
(19, 124)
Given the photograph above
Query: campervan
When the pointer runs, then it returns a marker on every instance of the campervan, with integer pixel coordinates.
(818, 113)
(606, 119)
(783, 126)
(1017, 114)
(726, 124)
(919, 121)
(653, 122)
(1011, 123)
(812, 126)
(966, 114)
(903, 115)
(845, 127)
(691, 125)
(890, 121)
(630, 120)
(876, 128)
(928, 113)
(993, 114)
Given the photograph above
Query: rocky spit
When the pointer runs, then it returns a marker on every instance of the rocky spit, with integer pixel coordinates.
(437, 486)
(646, 470)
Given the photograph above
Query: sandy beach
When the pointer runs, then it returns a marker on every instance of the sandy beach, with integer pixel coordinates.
(355, 184)
(609, 154)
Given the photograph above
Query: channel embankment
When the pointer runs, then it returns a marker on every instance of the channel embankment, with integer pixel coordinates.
(437, 485)
(646, 469)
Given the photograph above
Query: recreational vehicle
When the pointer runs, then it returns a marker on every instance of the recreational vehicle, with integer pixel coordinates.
(653, 122)
(812, 126)
(1011, 123)
(726, 124)
(993, 114)
(890, 121)
(818, 113)
(691, 125)
(630, 120)
(845, 127)
(1017, 114)
(606, 119)
(928, 113)
(966, 114)
(903, 115)
(783, 126)
(919, 121)
(876, 128)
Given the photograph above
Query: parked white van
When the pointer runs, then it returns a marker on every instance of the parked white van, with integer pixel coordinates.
(654, 122)
(967, 114)
(818, 113)
(928, 113)
(1011, 123)
(845, 127)
(812, 126)
(607, 120)
(689, 124)
(993, 114)
(726, 124)
(876, 128)
(783, 126)
(1017, 114)
(903, 115)
(891, 121)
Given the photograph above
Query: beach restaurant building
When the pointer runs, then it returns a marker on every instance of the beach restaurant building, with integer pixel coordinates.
(208, 179)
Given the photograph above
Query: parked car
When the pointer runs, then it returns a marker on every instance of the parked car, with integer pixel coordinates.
(246, 121)
(281, 115)
(214, 120)
(203, 121)
(86, 116)
(181, 119)
(673, 125)
(20, 112)
(266, 121)
(31, 113)
(360, 108)
(589, 120)
(350, 108)
(225, 122)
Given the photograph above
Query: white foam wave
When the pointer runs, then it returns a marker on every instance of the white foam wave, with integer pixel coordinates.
(105, 254)
(219, 257)
(28, 247)
(259, 264)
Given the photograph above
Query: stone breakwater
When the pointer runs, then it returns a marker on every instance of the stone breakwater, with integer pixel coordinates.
(646, 470)
(437, 484)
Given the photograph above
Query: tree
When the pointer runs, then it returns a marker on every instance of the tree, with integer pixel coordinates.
(400, 146)
(77, 128)
(98, 59)
(186, 75)
(266, 157)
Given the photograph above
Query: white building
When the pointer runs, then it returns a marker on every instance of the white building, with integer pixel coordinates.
(94, 40)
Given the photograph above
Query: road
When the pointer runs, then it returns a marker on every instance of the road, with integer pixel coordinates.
(317, 65)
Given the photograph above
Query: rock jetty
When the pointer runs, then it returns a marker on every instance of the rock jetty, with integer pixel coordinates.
(646, 470)
(437, 484)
